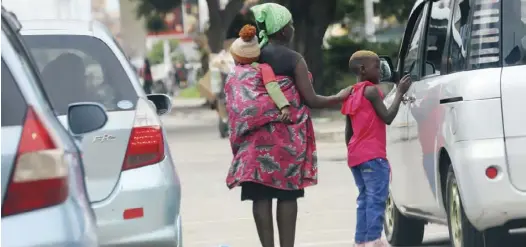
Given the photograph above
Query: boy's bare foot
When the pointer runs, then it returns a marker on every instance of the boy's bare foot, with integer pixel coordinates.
(377, 243)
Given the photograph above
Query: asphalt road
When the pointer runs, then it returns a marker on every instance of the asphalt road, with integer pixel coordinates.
(214, 216)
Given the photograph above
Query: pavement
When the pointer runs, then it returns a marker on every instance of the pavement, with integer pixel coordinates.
(214, 216)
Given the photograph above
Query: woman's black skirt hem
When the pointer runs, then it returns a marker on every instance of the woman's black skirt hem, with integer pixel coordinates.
(256, 191)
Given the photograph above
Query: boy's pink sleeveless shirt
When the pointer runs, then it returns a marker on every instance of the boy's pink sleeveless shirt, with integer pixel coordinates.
(368, 141)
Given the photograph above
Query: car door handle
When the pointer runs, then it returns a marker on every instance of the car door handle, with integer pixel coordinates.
(408, 99)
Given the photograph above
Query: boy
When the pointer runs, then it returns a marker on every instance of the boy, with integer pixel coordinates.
(245, 50)
(366, 148)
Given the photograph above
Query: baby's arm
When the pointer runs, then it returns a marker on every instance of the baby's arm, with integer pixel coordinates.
(272, 86)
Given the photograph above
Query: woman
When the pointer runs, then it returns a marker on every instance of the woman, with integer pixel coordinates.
(146, 74)
(273, 160)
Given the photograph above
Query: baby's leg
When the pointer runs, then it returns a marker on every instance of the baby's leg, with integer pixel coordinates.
(375, 174)
(361, 217)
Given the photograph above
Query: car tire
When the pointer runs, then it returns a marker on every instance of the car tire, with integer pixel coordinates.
(401, 230)
(223, 129)
(461, 231)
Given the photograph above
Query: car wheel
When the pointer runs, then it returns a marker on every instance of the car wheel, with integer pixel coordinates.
(223, 129)
(401, 230)
(461, 231)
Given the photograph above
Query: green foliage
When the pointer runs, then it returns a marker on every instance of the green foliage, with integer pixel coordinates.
(336, 74)
(146, 8)
(353, 9)
(155, 55)
(155, 23)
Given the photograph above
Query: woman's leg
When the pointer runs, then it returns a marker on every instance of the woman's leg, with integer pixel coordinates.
(287, 213)
(375, 174)
(361, 201)
(262, 211)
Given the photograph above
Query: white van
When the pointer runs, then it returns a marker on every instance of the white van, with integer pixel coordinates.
(458, 145)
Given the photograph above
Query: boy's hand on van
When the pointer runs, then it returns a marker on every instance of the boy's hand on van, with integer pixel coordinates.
(404, 84)
(285, 115)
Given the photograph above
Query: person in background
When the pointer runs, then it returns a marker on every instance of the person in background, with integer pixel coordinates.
(146, 74)
(366, 148)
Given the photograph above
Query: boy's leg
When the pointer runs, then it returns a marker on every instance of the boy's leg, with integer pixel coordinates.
(376, 175)
(361, 202)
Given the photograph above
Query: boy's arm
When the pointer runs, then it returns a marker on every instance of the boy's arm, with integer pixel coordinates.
(387, 115)
(348, 130)
(272, 86)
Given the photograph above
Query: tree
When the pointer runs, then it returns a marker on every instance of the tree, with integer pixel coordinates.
(220, 21)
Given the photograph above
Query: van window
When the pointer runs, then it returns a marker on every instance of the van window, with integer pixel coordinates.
(459, 36)
(514, 29)
(485, 34)
(411, 58)
(78, 68)
(436, 37)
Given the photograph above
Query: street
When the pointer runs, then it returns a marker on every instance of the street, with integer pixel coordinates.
(214, 216)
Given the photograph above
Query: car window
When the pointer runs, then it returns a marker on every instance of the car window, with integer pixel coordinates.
(514, 29)
(78, 68)
(412, 56)
(13, 103)
(436, 37)
(459, 36)
(485, 34)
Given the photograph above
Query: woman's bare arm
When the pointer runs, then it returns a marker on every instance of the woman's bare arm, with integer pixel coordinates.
(301, 74)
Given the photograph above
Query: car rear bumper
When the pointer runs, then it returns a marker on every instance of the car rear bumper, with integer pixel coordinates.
(64, 225)
(154, 190)
(487, 202)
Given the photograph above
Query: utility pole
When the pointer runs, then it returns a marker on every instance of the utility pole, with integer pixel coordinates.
(370, 29)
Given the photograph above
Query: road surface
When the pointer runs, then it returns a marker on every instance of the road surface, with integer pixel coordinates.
(214, 216)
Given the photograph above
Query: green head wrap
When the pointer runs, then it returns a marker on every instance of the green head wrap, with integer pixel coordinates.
(274, 16)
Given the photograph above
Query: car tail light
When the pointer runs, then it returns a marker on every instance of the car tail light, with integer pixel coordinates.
(39, 177)
(146, 144)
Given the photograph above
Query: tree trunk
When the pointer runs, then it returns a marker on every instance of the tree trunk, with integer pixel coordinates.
(220, 20)
(311, 19)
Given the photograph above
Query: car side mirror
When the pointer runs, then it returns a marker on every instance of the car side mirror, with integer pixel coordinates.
(86, 117)
(162, 102)
(387, 72)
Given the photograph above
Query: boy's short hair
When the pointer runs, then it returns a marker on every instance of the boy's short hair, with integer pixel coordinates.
(357, 59)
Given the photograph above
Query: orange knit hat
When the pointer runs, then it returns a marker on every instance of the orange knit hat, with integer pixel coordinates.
(245, 49)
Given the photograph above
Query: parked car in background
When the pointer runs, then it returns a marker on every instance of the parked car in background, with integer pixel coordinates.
(457, 144)
(44, 197)
(130, 176)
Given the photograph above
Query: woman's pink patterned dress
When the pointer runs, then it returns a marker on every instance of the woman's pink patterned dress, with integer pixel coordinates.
(265, 150)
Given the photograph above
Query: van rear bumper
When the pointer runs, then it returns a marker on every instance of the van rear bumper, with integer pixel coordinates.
(487, 202)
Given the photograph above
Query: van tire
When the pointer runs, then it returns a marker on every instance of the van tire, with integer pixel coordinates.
(471, 237)
(405, 231)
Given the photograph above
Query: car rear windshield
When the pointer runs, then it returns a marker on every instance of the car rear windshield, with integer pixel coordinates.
(13, 103)
(514, 32)
(77, 68)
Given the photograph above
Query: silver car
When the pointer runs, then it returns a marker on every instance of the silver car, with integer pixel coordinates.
(44, 199)
(130, 176)
(457, 146)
